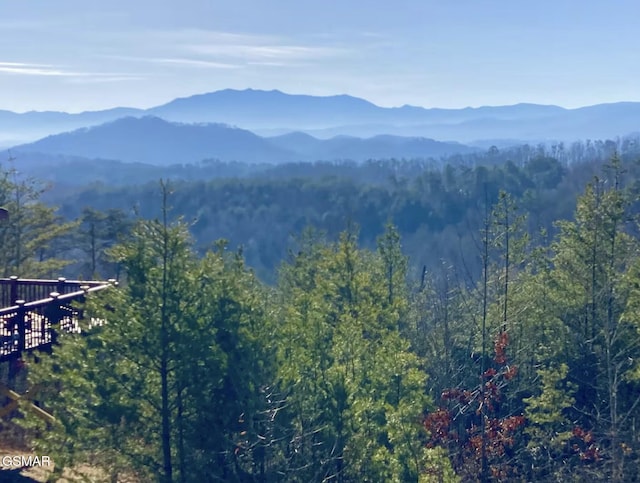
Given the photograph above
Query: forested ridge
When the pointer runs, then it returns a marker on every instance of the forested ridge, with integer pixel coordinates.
(435, 204)
(471, 322)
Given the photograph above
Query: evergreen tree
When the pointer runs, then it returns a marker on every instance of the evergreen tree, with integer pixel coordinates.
(592, 256)
(96, 232)
(169, 367)
(28, 235)
(355, 389)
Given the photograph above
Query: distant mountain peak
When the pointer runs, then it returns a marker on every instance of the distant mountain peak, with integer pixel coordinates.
(274, 111)
(153, 140)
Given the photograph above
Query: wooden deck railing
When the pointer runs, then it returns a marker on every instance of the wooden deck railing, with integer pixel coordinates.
(34, 310)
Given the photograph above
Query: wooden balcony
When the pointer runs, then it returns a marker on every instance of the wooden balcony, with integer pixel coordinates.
(32, 312)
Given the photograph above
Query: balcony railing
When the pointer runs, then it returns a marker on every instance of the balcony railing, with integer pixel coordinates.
(32, 312)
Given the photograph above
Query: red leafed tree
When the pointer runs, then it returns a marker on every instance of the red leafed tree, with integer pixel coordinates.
(472, 425)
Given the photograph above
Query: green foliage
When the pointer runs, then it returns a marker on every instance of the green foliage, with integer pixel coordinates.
(549, 427)
(434, 205)
(176, 363)
(355, 390)
(202, 372)
(28, 236)
(587, 286)
(96, 232)
(438, 468)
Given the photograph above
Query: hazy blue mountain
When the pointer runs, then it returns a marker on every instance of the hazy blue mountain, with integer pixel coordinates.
(386, 146)
(330, 116)
(299, 142)
(154, 141)
(267, 109)
(376, 147)
(326, 117)
(274, 112)
(255, 108)
(18, 128)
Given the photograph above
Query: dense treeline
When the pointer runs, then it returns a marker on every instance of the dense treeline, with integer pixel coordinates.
(68, 172)
(437, 210)
(519, 364)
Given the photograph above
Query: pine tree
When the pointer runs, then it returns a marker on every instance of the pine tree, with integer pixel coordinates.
(355, 389)
(96, 232)
(589, 290)
(163, 385)
(28, 235)
(549, 427)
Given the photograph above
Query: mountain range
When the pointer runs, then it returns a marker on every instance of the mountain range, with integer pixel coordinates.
(270, 113)
(152, 140)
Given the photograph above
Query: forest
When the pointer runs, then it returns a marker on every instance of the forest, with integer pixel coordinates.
(475, 319)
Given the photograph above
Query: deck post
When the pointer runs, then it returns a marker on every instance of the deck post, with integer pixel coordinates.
(53, 314)
(22, 326)
(54, 308)
(14, 289)
(61, 284)
(85, 288)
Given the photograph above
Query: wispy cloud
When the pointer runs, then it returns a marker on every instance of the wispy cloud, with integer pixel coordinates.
(249, 52)
(32, 69)
(225, 49)
(207, 49)
(267, 63)
(47, 70)
(105, 78)
(192, 63)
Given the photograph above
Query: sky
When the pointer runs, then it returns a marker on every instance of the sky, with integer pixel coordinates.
(76, 55)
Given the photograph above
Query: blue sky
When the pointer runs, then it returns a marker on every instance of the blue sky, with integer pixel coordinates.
(78, 55)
